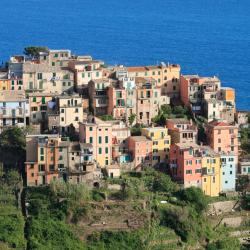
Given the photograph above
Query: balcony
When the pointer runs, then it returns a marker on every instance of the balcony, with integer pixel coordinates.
(173, 165)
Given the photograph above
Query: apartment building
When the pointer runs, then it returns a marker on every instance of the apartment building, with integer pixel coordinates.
(182, 130)
(45, 78)
(51, 157)
(148, 100)
(121, 100)
(86, 69)
(140, 149)
(186, 164)
(120, 135)
(167, 76)
(223, 137)
(194, 89)
(228, 172)
(70, 112)
(160, 144)
(211, 172)
(244, 166)
(14, 109)
(55, 57)
(98, 96)
(42, 159)
(39, 104)
(99, 134)
(194, 165)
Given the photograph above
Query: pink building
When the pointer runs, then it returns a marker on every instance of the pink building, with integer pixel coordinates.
(117, 102)
(182, 130)
(99, 134)
(141, 151)
(222, 137)
(186, 164)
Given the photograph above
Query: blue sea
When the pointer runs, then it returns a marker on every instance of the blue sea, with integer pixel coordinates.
(207, 37)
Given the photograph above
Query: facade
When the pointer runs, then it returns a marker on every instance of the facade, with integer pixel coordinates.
(86, 69)
(223, 137)
(182, 130)
(51, 157)
(39, 104)
(228, 172)
(42, 159)
(148, 97)
(160, 143)
(45, 78)
(70, 112)
(244, 166)
(211, 172)
(98, 133)
(98, 96)
(140, 149)
(194, 165)
(14, 109)
(120, 134)
(167, 76)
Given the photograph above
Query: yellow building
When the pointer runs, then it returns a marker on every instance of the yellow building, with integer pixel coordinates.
(211, 182)
(166, 75)
(4, 84)
(160, 143)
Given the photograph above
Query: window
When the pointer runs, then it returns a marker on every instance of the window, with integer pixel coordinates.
(106, 150)
(76, 118)
(60, 149)
(213, 179)
(106, 139)
(99, 139)
(83, 75)
(106, 162)
(205, 180)
(188, 171)
(90, 139)
(198, 171)
(155, 142)
(166, 142)
(62, 110)
(42, 158)
(51, 167)
(100, 151)
(34, 99)
(76, 110)
(219, 140)
(90, 128)
(231, 172)
(39, 76)
(60, 157)
(62, 119)
(97, 74)
(219, 149)
(41, 151)
(53, 63)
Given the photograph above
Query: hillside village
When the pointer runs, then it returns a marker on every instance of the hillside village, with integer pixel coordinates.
(126, 134)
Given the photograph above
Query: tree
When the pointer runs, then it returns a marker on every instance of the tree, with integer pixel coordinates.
(195, 197)
(34, 50)
(12, 147)
(131, 119)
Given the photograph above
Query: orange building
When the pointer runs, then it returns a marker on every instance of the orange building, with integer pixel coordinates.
(42, 159)
(141, 151)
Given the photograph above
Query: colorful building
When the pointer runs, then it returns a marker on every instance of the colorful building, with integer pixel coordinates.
(160, 143)
(98, 133)
(140, 149)
(167, 76)
(14, 109)
(223, 137)
(182, 130)
(194, 165)
(228, 172)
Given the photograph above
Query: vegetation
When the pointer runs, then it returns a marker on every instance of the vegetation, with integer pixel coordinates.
(168, 112)
(107, 118)
(11, 219)
(131, 119)
(34, 51)
(245, 140)
(12, 147)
